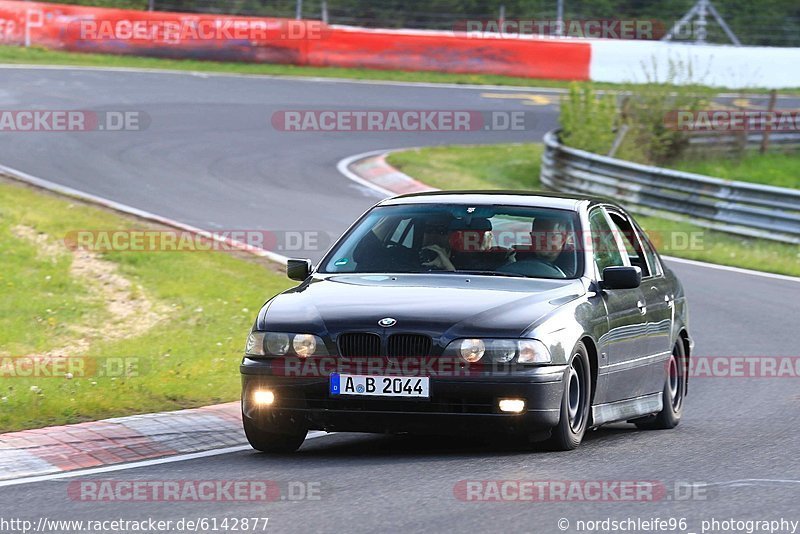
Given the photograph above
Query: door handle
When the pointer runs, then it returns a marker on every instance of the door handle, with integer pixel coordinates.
(642, 307)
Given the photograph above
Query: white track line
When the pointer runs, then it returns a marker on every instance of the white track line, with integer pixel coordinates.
(737, 270)
(314, 79)
(135, 465)
(136, 212)
(332, 79)
(344, 167)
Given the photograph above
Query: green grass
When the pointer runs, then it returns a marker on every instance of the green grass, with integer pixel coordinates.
(510, 166)
(778, 169)
(190, 358)
(516, 166)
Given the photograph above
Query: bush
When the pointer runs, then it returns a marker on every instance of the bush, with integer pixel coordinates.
(589, 121)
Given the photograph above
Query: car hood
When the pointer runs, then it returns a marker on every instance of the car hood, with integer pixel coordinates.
(446, 305)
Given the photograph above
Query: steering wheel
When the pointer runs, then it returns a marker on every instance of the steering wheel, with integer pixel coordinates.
(533, 267)
(401, 256)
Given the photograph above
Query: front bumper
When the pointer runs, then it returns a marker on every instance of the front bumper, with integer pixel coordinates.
(462, 405)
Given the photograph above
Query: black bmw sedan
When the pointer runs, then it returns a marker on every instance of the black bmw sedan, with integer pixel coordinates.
(496, 313)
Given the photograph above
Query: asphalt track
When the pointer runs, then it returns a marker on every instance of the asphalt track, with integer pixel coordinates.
(211, 159)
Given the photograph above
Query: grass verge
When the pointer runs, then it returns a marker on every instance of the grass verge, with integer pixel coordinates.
(516, 166)
(178, 346)
(778, 169)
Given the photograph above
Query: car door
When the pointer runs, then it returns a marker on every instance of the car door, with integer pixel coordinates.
(658, 302)
(660, 297)
(625, 374)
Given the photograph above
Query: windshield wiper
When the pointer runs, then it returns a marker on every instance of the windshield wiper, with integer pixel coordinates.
(489, 273)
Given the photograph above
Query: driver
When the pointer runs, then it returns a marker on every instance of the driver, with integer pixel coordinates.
(549, 235)
(435, 251)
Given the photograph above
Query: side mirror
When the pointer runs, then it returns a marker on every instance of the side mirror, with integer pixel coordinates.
(622, 277)
(298, 269)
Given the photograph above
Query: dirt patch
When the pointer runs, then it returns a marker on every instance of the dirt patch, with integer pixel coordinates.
(131, 311)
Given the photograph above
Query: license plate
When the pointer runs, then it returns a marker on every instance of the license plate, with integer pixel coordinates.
(380, 386)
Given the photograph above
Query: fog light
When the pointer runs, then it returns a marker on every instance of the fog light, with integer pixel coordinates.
(512, 405)
(263, 397)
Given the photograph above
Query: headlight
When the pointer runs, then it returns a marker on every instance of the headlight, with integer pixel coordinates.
(284, 343)
(503, 350)
(533, 351)
(472, 350)
(304, 345)
(276, 343)
(499, 350)
(255, 344)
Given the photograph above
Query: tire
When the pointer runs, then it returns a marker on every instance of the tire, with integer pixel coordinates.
(673, 394)
(575, 402)
(273, 442)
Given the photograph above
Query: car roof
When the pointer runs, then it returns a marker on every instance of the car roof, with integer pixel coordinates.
(537, 199)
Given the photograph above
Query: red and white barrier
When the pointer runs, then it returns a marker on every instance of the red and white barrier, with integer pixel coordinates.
(285, 41)
(451, 52)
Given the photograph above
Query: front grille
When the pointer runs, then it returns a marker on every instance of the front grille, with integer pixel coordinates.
(359, 345)
(408, 346)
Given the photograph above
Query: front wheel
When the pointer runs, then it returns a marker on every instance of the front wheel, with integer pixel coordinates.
(288, 440)
(672, 395)
(575, 402)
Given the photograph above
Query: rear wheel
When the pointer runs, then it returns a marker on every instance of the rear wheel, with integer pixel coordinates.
(575, 402)
(288, 440)
(672, 395)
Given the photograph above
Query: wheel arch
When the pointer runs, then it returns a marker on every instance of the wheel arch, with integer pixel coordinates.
(683, 336)
(591, 349)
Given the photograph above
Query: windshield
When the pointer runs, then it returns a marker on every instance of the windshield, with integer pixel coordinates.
(492, 240)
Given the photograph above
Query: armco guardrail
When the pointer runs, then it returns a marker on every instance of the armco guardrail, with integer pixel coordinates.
(736, 207)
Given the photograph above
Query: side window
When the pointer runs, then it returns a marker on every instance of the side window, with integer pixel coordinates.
(650, 253)
(607, 252)
(630, 240)
(403, 235)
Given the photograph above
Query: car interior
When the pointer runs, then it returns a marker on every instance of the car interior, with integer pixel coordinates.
(494, 243)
